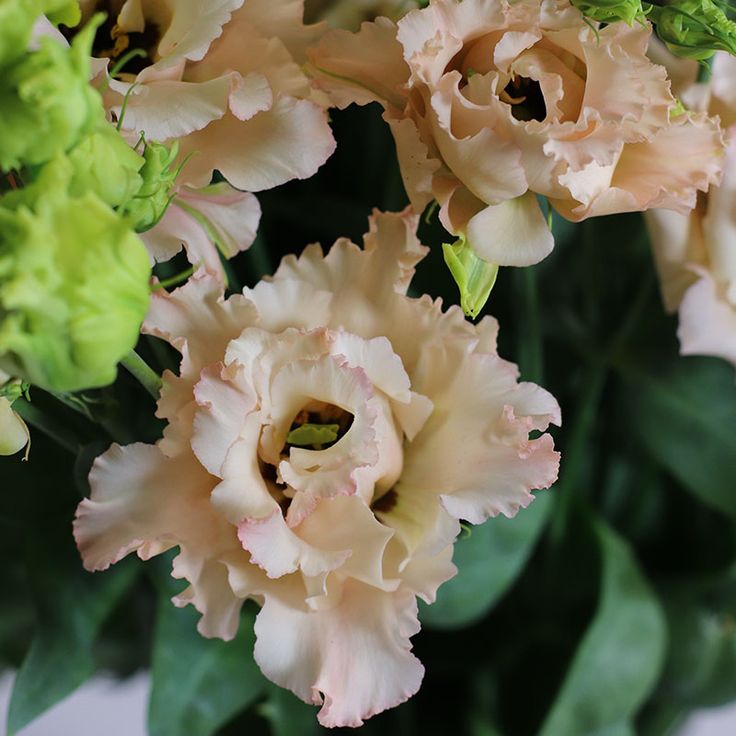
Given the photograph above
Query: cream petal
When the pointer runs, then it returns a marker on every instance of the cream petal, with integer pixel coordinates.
(177, 229)
(232, 215)
(513, 233)
(279, 550)
(289, 141)
(362, 67)
(707, 321)
(141, 501)
(357, 653)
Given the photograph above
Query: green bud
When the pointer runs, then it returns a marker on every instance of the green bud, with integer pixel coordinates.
(313, 434)
(150, 203)
(74, 284)
(474, 277)
(610, 11)
(694, 29)
(105, 164)
(46, 101)
(67, 12)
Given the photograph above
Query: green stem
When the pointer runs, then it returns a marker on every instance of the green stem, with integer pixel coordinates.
(141, 371)
(46, 424)
(531, 354)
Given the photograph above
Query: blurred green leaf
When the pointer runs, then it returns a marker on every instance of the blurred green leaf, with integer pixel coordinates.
(287, 715)
(488, 561)
(686, 418)
(618, 661)
(199, 684)
(72, 606)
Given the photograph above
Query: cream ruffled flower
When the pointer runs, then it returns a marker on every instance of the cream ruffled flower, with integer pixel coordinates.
(696, 252)
(222, 79)
(492, 102)
(337, 533)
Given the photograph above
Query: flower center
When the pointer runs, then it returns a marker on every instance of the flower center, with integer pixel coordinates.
(525, 97)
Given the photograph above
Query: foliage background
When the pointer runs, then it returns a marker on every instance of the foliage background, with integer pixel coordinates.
(608, 608)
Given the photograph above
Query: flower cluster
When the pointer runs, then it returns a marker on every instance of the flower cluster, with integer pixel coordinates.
(325, 435)
(492, 103)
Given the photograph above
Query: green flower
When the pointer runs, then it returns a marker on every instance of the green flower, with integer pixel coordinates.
(610, 11)
(105, 164)
(474, 277)
(46, 102)
(150, 203)
(694, 29)
(67, 12)
(74, 284)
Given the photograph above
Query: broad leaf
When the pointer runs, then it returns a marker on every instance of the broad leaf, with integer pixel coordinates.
(620, 656)
(686, 418)
(199, 684)
(72, 605)
(488, 562)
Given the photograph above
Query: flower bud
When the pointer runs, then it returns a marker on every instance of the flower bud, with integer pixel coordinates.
(610, 11)
(153, 197)
(47, 102)
(73, 284)
(14, 435)
(694, 29)
(105, 164)
(474, 277)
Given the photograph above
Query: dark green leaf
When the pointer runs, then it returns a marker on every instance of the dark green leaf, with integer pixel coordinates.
(288, 715)
(686, 418)
(72, 606)
(199, 684)
(488, 562)
(618, 661)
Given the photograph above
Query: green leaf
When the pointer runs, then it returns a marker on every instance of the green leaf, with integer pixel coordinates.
(313, 434)
(287, 715)
(686, 418)
(488, 561)
(199, 684)
(72, 606)
(620, 656)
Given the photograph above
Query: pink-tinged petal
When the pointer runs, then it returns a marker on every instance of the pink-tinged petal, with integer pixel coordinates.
(648, 175)
(493, 468)
(250, 95)
(707, 321)
(289, 141)
(412, 415)
(289, 303)
(513, 233)
(677, 240)
(723, 88)
(347, 523)
(141, 501)
(177, 229)
(356, 655)
(223, 407)
(165, 110)
(210, 593)
(418, 167)
(281, 19)
(193, 26)
(278, 549)
(231, 215)
(362, 67)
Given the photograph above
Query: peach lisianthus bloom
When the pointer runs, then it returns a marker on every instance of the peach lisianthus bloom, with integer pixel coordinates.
(492, 102)
(223, 80)
(696, 252)
(325, 435)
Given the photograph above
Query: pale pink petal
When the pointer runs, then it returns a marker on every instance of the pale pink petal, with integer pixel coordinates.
(362, 67)
(289, 141)
(231, 215)
(356, 655)
(707, 321)
(513, 233)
